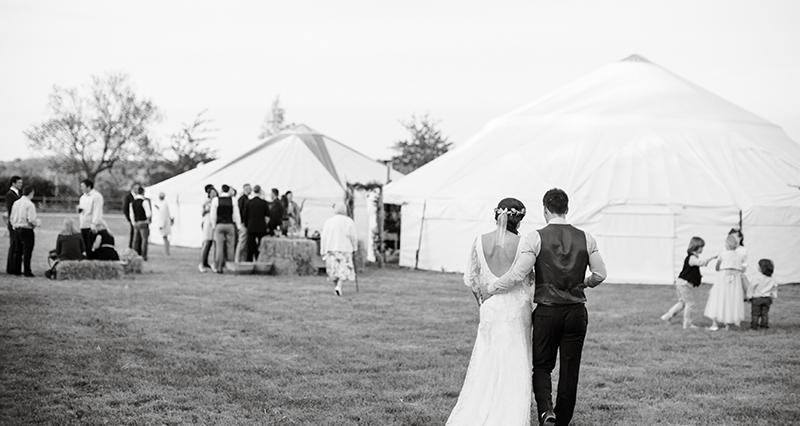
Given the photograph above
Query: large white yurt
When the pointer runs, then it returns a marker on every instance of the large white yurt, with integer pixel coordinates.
(648, 159)
(313, 166)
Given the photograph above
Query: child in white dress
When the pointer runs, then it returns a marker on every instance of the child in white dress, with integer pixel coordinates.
(726, 299)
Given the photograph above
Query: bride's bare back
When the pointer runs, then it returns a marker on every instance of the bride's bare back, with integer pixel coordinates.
(499, 259)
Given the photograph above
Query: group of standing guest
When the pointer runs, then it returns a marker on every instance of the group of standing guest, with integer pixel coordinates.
(140, 213)
(91, 239)
(96, 241)
(235, 228)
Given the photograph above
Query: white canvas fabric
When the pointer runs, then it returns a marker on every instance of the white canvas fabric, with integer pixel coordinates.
(313, 166)
(648, 160)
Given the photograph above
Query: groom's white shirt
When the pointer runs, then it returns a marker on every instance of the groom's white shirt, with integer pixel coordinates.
(526, 259)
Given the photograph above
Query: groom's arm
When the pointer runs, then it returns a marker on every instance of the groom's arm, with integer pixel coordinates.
(526, 258)
(596, 264)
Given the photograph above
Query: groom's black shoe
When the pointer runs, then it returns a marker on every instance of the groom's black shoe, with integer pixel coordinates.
(547, 418)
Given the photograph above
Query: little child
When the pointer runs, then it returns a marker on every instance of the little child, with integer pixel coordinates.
(726, 299)
(763, 289)
(688, 279)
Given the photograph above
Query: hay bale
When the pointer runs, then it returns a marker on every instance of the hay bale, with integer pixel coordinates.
(131, 262)
(89, 270)
(242, 268)
(285, 254)
(304, 264)
(263, 268)
(284, 267)
(286, 248)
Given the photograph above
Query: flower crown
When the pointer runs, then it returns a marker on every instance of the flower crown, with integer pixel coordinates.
(509, 212)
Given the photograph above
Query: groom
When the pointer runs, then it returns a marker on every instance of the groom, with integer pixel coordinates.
(559, 254)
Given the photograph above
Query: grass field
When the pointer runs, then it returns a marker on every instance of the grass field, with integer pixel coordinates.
(174, 346)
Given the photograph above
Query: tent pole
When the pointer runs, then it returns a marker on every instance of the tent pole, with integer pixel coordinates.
(421, 227)
(740, 220)
(381, 218)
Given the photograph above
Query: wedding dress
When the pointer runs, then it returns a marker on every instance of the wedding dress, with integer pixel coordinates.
(497, 386)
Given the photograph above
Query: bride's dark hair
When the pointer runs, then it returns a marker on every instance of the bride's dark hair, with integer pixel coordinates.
(516, 211)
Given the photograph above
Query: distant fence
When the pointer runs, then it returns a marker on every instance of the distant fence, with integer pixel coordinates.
(67, 204)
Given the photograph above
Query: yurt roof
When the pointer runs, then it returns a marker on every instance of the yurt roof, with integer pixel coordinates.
(630, 132)
(298, 159)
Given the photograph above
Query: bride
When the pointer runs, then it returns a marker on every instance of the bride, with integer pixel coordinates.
(497, 387)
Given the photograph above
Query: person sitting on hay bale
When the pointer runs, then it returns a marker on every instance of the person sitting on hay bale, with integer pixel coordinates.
(339, 241)
(103, 247)
(69, 246)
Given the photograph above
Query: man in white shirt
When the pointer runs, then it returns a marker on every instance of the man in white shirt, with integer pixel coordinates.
(90, 212)
(14, 261)
(23, 219)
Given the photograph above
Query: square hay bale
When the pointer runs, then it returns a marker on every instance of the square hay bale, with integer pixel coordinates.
(304, 264)
(284, 254)
(284, 267)
(243, 268)
(263, 268)
(89, 270)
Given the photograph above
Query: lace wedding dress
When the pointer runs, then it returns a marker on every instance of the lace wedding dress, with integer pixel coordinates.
(497, 387)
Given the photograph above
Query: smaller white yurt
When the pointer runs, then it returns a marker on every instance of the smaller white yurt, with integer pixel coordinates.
(316, 168)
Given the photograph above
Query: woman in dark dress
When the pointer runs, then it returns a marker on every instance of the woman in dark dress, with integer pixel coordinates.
(103, 247)
(69, 246)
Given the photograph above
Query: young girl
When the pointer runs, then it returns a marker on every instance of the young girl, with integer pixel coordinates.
(688, 279)
(726, 298)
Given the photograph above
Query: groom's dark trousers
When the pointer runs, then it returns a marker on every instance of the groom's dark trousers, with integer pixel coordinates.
(558, 328)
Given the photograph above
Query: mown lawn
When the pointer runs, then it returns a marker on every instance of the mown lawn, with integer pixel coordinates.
(174, 346)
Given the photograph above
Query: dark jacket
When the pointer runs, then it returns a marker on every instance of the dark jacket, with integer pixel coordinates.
(275, 214)
(256, 211)
(11, 198)
(126, 204)
(70, 247)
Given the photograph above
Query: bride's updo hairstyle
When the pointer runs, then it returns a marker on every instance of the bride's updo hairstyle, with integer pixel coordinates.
(514, 210)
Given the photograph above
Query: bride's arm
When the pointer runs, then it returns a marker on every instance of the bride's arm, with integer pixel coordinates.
(473, 271)
(526, 258)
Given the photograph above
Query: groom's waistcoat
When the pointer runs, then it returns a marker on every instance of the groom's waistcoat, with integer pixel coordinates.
(561, 265)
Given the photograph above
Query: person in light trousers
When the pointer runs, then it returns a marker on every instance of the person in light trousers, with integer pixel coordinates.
(226, 218)
(688, 279)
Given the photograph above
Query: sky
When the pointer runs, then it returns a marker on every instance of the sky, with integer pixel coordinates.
(354, 69)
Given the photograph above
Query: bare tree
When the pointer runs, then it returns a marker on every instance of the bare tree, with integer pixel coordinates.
(91, 133)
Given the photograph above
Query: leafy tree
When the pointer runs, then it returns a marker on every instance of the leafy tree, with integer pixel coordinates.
(275, 122)
(187, 146)
(425, 144)
(185, 152)
(93, 132)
